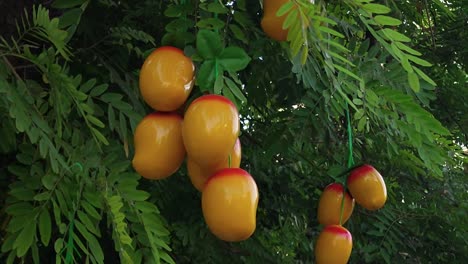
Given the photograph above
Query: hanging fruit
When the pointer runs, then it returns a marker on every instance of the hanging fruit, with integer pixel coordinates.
(367, 187)
(198, 175)
(166, 78)
(159, 149)
(210, 129)
(333, 245)
(229, 204)
(272, 24)
(329, 208)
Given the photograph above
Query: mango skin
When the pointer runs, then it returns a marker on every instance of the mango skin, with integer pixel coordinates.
(210, 129)
(159, 148)
(166, 79)
(333, 246)
(270, 23)
(229, 204)
(199, 175)
(329, 208)
(367, 187)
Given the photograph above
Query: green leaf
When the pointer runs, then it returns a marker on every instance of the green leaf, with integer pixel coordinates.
(288, 5)
(218, 85)
(135, 195)
(424, 76)
(42, 196)
(25, 239)
(206, 76)
(407, 48)
(376, 8)
(88, 223)
(45, 227)
(238, 33)
(290, 19)
(233, 59)
(93, 120)
(111, 97)
(211, 23)
(48, 180)
(209, 44)
(348, 72)
(235, 89)
(90, 210)
(58, 245)
(216, 8)
(331, 31)
(394, 35)
(19, 208)
(387, 21)
(413, 81)
(99, 136)
(419, 61)
(87, 86)
(94, 245)
(98, 90)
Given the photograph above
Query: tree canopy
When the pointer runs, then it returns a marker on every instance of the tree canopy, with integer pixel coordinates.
(70, 102)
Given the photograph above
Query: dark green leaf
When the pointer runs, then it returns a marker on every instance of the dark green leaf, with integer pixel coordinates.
(236, 90)
(45, 227)
(70, 17)
(234, 59)
(25, 239)
(209, 44)
(206, 76)
(218, 85)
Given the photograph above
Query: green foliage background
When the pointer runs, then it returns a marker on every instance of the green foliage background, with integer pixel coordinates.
(70, 103)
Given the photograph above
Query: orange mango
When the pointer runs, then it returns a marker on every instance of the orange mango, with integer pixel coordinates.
(166, 78)
(367, 187)
(329, 207)
(210, 130)
(333, 245)
(159, 149)
(229, 204)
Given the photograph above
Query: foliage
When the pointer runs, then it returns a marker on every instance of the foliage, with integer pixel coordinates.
(70, 103)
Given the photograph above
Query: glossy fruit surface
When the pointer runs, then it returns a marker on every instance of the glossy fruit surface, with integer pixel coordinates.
(270, 23)
(159, 149)
(166, 78)
(229, 204)
(367, 187)
(210, 129)
(198, 175)
(333, 245)
(329, 207)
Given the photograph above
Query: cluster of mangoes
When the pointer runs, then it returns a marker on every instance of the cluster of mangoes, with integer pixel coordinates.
(206, 135)
(367, 187)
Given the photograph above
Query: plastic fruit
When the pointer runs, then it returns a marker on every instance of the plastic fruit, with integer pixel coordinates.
(367, 187)
(159, 149)
(198, 175)
(333, 245)
(329, 207)
(229, 204)
(166, 78)
(210, 129)
(270, 23)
